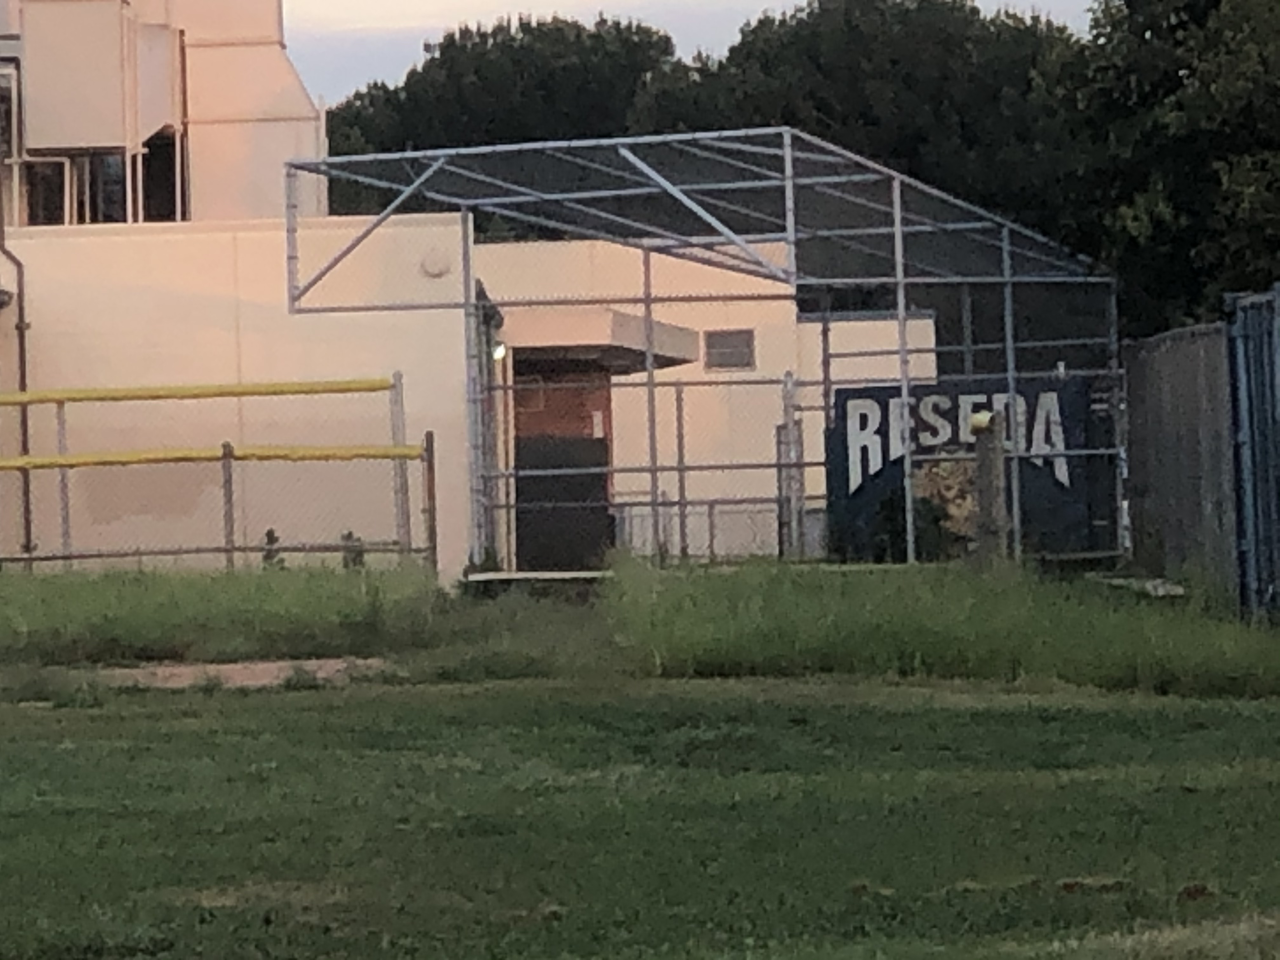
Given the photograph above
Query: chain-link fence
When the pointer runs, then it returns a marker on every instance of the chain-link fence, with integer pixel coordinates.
(730, 466)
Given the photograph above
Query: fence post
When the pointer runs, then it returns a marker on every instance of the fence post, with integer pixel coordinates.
(793, 497)
(429, 500)
(651, 397)
(1017, 429)
(993, 516)
(64, 486)
(229, 504)
(682, 475)
(400, 470)
(798, 520)
(711, 531)
(782, 503)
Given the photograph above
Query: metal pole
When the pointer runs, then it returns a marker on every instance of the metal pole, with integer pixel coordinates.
(508, 456)
(904, 371)
(475, 431)
(429, 501)
(789, 202)
(782, 505)
(139, 197)
(64, 483)
(1013, 415)
(798, 469)
(130, 214)
(489, 419)
(666, 524)
(966, 327)
(229, 504)
(681, 478)
(651, 390)
(1119, 423)
(1244, 440)
(291, 233)
(400, 469)
(791, 468)
(711, 531)
(828, 391)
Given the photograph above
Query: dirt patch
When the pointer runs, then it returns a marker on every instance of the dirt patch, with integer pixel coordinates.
(247, 675)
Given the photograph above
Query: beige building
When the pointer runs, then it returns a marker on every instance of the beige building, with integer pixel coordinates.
(143, 195)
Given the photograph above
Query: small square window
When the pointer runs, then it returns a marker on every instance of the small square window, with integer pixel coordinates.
(729, 349)
(530, 397)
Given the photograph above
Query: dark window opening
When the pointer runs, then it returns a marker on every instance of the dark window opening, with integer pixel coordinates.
(729, 350)
(45, 194)
(8, 124)
(100, 188)
(160, 178)
(107, 188)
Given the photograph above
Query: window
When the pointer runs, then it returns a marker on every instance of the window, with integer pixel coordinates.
(105, 196)
(729, 350)
(529, 395)
(46, 196)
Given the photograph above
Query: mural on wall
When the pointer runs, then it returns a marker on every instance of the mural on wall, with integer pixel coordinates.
(865, 461)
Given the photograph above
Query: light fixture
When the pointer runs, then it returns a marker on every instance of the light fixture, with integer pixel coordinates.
(499, 352)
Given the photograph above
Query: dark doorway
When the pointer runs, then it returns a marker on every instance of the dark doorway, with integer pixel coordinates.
(563, 522)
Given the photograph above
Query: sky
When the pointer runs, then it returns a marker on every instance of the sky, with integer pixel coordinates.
(340, 46)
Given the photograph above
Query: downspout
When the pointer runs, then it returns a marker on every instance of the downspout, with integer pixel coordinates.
(20, 327)
(24, 412)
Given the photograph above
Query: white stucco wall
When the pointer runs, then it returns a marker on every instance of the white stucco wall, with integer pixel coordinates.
(167, 304)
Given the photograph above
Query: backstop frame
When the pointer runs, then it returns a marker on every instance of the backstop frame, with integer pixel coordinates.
(722, 199)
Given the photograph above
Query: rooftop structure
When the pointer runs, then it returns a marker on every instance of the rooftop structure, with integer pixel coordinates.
(124, 111)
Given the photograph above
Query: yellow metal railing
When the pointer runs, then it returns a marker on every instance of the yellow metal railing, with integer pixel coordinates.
(398, 452)
(70, 461)
(220, 391)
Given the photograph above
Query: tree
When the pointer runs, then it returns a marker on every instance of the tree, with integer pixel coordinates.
(515, 81)
(1234, 94)
(976, 106)
(1152, 145)
(1184, 100)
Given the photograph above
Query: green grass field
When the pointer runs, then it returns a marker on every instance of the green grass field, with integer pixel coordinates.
(769, 763)
(760, 620)
(789, 819)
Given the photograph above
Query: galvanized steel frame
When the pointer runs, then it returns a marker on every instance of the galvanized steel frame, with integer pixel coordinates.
(760, 195)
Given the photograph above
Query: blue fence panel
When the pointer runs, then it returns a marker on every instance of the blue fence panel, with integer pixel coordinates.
(1255, 367)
